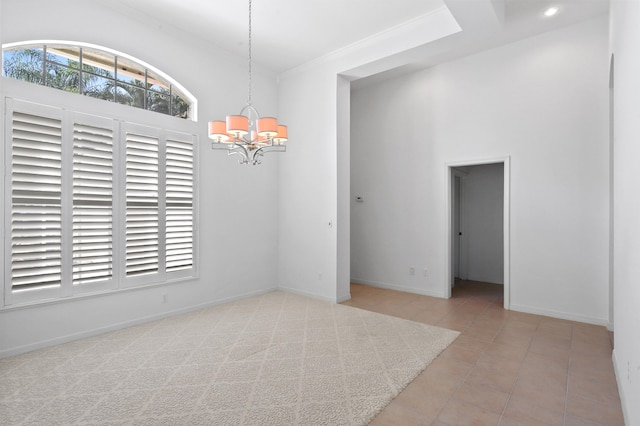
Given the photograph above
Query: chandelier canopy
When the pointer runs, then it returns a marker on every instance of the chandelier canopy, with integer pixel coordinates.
(247, 134)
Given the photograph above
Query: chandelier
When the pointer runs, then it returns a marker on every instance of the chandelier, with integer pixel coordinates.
(247, 134)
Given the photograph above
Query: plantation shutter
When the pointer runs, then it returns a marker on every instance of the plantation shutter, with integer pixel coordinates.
(179, 203)
(142, 209)
(92, 203)
(36, 211)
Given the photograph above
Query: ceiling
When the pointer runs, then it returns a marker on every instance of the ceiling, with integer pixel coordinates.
(285, 33)
(288, 33)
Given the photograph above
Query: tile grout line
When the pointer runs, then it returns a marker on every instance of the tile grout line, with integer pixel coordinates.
(463, 380)
(515, 382)
(566, 394)
(504, 408)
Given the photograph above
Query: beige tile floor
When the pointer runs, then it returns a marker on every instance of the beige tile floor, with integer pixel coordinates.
(506, 368)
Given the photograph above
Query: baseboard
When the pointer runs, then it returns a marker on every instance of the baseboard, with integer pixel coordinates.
(344, 298)
(118, 326)
(619, 379)
(397, 288)
(311, 295)
(559, 315)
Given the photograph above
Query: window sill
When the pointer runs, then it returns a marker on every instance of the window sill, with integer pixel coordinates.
(96, 294)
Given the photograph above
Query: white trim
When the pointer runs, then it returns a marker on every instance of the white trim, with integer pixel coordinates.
(311, 295)
(506, 161)
(5, 135)
(507, 233)
(612, 234)
(7, 105)
(559, 315)
(413, 290)
(621, 389)
(343, 298)
(118, 326)
(79, 295)
(66, 203)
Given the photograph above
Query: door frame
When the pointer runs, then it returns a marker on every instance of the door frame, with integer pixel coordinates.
(506, 161)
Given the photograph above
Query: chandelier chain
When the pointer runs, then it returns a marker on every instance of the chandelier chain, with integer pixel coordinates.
(249, 94)
(247, 134)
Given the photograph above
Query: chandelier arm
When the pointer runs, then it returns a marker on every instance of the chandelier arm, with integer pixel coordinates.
(233, 148)
(241, 149)
(275, 148)
(244, 158)
(260, 152)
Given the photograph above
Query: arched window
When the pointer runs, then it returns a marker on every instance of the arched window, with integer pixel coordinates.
(99, 73)
(99, 198)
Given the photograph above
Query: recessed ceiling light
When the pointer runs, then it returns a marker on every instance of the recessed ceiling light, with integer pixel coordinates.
(551, 11)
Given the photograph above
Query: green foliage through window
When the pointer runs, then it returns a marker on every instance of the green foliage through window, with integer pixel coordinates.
(95, 73)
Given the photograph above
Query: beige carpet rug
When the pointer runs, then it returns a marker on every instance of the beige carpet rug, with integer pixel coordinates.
(276, 359)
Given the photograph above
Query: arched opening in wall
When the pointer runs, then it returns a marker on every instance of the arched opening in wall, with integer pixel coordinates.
(478, 243)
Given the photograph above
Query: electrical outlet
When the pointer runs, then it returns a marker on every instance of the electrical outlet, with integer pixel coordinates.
(425, 272)
(412, 271)
(165, 298)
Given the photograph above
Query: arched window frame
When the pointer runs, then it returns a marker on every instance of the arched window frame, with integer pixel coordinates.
(177, 147)
(158, 75)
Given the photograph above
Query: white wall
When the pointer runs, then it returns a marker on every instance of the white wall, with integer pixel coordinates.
(235, 260)
(313, 259)
(541, 101)
(625, 33)
(294, 247)
(483, 215)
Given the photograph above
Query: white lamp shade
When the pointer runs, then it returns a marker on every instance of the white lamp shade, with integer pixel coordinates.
(283, 134)
(237, 125)
(218, 131)
(267, 126)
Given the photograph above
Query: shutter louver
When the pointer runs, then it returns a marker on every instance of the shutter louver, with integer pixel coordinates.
(92, 204)
(142, 232)
(36, 212)
(179, 205)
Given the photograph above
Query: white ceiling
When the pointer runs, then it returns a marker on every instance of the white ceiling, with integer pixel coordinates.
(285, 33)
(288, 33)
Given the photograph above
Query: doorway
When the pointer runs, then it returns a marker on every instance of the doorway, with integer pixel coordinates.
(459, 253)
(478, 211)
